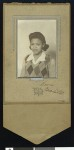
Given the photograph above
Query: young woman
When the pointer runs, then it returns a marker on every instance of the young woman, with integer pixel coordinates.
(37, 64)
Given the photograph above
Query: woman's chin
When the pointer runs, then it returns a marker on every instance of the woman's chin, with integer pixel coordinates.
(37, 53)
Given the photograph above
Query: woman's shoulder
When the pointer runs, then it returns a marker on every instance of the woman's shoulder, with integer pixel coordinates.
(26, 57)
(47, 57)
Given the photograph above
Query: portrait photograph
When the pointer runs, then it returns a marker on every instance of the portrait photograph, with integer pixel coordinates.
(37, 47)
(36, 70)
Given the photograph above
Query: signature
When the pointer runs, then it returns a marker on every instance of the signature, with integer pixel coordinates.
(40, 91)
(44, 83)
(56, 91)
(46, 87)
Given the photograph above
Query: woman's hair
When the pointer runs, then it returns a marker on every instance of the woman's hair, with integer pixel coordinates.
(40, 36)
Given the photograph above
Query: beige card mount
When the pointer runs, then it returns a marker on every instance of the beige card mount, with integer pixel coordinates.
(37, 101)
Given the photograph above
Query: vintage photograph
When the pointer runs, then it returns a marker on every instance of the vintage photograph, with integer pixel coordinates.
(36, 48)
(36, 74)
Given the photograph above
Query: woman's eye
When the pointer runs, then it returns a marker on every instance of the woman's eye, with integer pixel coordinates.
(38, 44)
(35, 44)
(32, 44)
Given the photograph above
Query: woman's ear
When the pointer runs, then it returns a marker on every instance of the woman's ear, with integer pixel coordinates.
(43, 45)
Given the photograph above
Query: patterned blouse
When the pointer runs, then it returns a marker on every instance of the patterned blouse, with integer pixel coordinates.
(39, 68)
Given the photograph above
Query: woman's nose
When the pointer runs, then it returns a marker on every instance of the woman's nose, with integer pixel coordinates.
(35, 46)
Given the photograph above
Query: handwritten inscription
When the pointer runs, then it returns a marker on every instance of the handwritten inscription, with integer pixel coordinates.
(38, 91)
(45, 87)
(45, 84)
(54, 91)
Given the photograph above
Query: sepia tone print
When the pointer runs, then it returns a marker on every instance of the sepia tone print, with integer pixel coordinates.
(36, 47)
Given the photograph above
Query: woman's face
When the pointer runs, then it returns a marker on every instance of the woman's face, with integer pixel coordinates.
(36, 46)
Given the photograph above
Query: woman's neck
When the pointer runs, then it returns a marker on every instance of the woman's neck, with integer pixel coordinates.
(37, 56)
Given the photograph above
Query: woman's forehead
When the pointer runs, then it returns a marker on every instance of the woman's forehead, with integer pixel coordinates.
(36, 40)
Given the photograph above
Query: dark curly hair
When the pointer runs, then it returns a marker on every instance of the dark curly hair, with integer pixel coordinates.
(40, 36)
